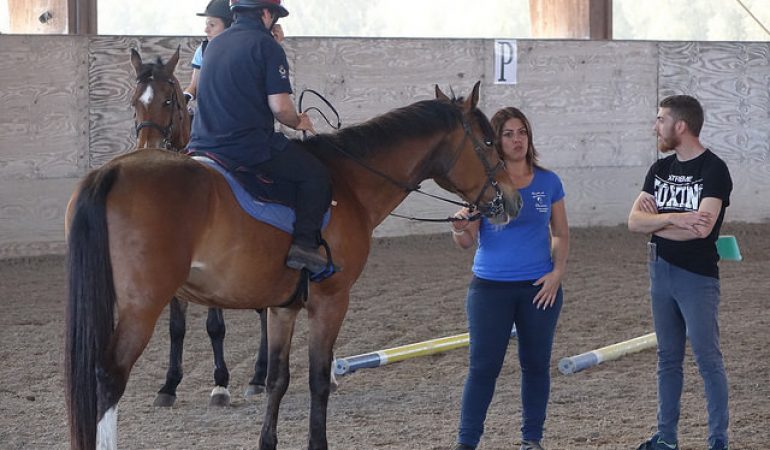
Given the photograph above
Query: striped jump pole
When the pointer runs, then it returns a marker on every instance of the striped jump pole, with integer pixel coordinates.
(573, 364)
(344, 366)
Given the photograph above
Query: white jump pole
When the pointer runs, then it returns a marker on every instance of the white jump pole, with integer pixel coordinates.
(344, 366)
(573, 364)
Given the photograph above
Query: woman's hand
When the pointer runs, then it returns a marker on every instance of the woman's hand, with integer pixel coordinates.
(546, 296)
(459, 226)
(277, 33)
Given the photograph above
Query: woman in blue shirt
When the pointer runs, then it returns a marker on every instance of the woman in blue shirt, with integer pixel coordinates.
(518, 270)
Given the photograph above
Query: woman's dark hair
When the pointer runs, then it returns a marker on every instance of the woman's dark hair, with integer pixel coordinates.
(498, 122)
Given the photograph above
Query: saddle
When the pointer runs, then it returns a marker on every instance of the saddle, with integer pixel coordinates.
(256, 194)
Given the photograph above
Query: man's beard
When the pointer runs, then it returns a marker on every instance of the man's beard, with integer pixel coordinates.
(667, 145)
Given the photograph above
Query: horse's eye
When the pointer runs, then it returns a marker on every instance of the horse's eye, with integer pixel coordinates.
(488, 142)
(167, 102)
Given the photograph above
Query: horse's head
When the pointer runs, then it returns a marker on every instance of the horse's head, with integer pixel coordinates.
(472, 168)
(160, 116)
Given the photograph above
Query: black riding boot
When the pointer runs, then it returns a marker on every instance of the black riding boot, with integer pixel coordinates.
(302, 257)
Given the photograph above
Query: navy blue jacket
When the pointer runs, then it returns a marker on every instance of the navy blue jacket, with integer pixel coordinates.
(243, 65)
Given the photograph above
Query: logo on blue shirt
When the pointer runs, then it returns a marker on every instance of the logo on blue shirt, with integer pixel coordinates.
(541, 201)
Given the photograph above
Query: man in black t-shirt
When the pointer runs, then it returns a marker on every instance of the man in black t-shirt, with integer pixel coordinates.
(682, 206)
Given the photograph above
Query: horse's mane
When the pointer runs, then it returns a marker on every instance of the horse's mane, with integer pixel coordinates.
(414, 121)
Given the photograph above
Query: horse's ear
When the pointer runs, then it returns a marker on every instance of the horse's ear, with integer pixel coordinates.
(441, 95)
(136, 61)
(171, 64)
(473, 100)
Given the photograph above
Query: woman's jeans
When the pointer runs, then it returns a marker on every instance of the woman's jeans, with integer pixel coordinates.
(685, 304)
(493, 308)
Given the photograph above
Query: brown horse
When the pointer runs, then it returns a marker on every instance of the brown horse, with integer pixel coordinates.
(161, 121)
(151, 224)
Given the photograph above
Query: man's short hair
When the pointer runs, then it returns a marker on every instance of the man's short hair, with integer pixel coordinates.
(685, 108)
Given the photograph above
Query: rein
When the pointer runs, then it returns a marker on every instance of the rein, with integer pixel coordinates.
(495, 205)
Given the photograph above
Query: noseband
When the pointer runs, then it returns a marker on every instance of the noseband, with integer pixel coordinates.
(166, 131)
(496, 206)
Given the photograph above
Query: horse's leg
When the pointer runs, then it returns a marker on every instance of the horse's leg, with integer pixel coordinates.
(132, 333)
(177, 325)
(280, 328)
(215, 326)
(325, 315)
(257, 383)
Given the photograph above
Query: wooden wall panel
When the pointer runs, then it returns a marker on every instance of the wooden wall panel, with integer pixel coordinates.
(732, 81)
(66, 109)
(749, 201)
(112, 81)
(367, 77)
(32, 215)
(44, 114)
(591, 104)
(597, 196)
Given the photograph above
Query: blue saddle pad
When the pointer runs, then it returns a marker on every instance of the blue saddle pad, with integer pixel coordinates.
(277, 215)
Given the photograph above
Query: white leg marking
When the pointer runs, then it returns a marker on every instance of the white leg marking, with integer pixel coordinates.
(146, 97)
(333, 379)
(219, 390)
(107, 430)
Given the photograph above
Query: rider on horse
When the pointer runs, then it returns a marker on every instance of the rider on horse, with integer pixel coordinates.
(243, 88)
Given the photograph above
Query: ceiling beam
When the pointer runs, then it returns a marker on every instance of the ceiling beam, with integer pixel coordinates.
(571, 19)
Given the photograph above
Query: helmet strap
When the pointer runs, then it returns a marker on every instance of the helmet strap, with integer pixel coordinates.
(275, 20)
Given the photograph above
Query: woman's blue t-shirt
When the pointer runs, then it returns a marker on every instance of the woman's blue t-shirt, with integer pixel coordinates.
(197, 60)
(521, 250)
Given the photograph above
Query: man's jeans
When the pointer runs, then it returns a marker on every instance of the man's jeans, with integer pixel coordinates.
(685, 304)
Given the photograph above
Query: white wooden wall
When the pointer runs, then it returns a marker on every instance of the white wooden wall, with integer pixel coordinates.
(65, 109)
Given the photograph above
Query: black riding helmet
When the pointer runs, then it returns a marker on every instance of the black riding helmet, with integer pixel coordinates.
(219, 9)
(273, 5)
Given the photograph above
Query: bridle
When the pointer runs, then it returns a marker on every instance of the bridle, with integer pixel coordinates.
(496, 206)
(168, 130)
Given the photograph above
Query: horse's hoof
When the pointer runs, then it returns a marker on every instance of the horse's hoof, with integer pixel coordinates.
(164, 400)
(220, 397)
(253, 390)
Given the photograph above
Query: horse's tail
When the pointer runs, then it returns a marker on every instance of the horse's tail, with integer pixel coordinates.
(91, 304)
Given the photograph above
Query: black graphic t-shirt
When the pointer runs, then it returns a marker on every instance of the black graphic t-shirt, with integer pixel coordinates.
(679, 187)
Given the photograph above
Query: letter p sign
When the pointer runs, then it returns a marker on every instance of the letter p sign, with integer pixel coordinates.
(505, 61)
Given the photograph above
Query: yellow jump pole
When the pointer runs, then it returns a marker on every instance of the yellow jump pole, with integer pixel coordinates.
(572, 364)
(344, 366)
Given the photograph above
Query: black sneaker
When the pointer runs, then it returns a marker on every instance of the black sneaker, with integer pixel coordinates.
(718, 445)
(656, 443)
(459, 446)
(530, 445)
(305, 258)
